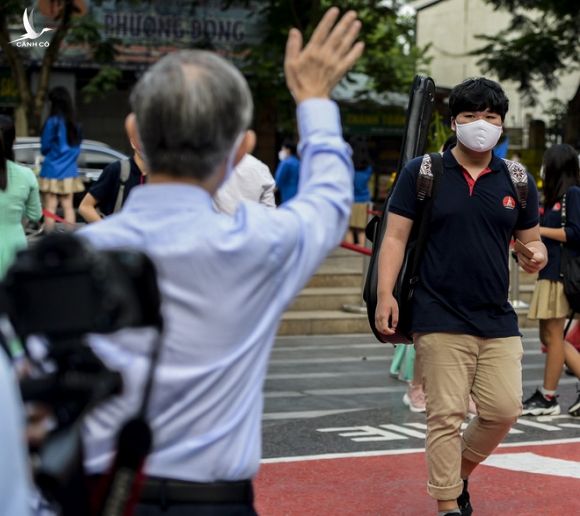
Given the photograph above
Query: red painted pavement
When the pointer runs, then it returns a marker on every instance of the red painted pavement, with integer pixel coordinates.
(395, 485)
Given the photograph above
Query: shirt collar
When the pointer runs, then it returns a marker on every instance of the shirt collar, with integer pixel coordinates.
(449, 161)
(168, 196)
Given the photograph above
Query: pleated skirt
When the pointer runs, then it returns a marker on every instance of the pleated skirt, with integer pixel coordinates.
(549, 301)
(60, 186)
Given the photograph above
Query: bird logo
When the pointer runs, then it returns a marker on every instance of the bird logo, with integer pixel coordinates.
(31, 33)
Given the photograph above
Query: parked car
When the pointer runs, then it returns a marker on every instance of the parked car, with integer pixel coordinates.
(94, 156)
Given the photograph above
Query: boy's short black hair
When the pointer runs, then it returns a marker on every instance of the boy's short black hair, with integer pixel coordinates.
(478, 94)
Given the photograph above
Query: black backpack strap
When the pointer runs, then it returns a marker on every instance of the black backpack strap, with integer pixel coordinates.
(425, 178)
(519, 178)
(124, 174)
(563, 253)
(434, 166)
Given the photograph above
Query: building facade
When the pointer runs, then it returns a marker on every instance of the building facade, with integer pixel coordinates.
(451, 28)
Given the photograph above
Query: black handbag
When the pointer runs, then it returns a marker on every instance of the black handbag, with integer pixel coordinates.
(409, 273)
(570, 270)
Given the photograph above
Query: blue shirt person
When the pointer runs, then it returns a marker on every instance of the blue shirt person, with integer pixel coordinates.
(60, 160)
(361, 184)
(288, 172)
(60, 144)
(225, 280)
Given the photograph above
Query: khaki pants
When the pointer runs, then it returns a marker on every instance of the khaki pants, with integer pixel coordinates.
(454, 366)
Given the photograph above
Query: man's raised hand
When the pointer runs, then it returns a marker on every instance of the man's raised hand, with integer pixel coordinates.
(313, 71)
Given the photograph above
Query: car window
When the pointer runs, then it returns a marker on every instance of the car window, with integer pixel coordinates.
(26, 156)
(95, 159)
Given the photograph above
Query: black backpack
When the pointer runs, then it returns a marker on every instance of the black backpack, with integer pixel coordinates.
(430, 172)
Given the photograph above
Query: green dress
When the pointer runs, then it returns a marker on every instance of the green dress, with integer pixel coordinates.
(20, 199)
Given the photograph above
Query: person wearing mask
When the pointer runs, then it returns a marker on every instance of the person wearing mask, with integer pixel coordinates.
(288, 172)
(464, 329)
(110, 191)
(549, 304)
(60, 146)
(225, 281)
(19, 197)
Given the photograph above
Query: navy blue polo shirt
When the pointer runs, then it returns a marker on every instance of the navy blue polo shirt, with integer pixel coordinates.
(553, 219)
(464, 274)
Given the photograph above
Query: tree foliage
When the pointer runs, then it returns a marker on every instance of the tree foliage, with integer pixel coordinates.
(70, 28)
(391, 58)
(540, 42)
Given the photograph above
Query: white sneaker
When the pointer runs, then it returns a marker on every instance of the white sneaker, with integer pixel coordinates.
(414, 398)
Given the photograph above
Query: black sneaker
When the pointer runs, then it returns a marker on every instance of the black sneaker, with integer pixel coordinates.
(463, 501)
(537, 405)
(574, 409)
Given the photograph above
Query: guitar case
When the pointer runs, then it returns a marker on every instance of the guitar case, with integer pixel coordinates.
(419, 111)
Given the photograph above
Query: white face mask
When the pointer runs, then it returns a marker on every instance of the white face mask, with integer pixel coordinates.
(479, 136)
(282, 155)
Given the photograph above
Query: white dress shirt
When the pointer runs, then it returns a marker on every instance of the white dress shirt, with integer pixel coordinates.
(225, 282)
(251, 180)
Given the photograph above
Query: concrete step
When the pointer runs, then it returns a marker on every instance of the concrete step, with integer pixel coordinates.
(336, 278)
(344, 259)
(326, 298)
(323, 322)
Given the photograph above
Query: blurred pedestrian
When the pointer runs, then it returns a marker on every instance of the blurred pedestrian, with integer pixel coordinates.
(465, 330)
(15, 489)
(60, 145)
(19, 197)
(363, 171)
(110, 191)
(251, 180)
(224, 281)
(288, 171)
(549, 304)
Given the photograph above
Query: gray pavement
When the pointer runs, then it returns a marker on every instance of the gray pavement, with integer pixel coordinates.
(334, 394)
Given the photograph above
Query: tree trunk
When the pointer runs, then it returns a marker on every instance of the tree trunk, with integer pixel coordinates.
(572, 128)
(50, 56)
(29, 114)
(19, 75)
(265, 126)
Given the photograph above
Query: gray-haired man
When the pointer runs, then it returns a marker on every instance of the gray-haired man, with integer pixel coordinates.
(224, 280)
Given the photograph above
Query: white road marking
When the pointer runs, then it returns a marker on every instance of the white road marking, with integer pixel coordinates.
(305, 414)
(533, 463)
(541, 426)
(403, 451)
(404, 431)
(364, 433)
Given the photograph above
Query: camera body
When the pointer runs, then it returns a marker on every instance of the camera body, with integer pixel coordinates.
(62, 288)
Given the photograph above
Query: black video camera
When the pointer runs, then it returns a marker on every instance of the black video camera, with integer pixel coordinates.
(61, 290)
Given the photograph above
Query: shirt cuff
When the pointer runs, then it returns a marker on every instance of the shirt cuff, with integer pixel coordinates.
(318, 116)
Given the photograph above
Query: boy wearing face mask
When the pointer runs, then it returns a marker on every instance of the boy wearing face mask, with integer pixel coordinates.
(465, 330)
